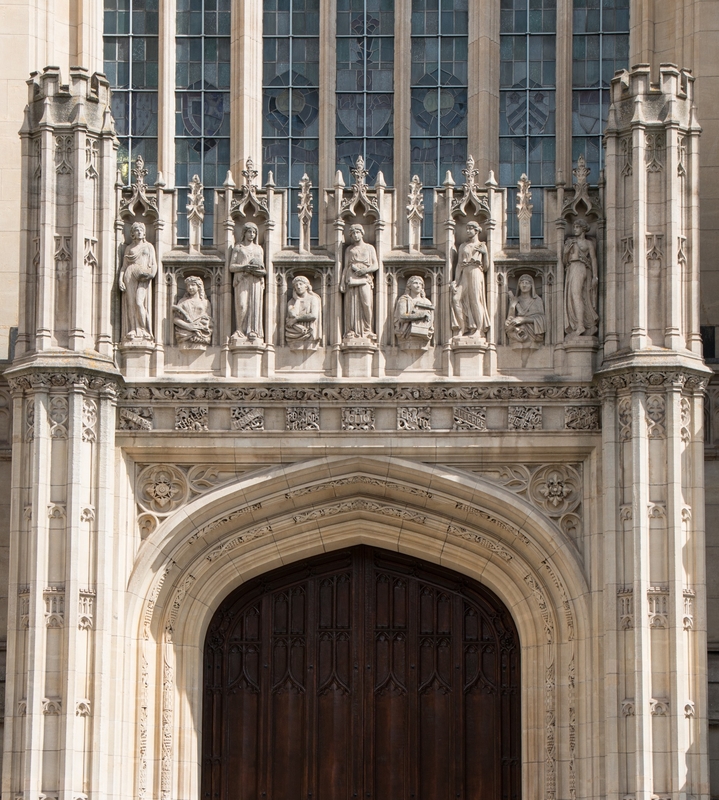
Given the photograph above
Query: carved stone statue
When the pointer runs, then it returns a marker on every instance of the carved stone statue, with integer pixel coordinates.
(247, 264)
(469, 303)
(192, 316)
(302, 324)
(139, 267)
(357, 285)
(414, 316)
(525, 323)
(580, 284)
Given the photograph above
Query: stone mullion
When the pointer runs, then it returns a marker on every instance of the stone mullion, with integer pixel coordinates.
(673, 295)
(563, 125)
(328, 102)
(642, 667)
(402, 121)
(106, 254)
(693, 334)
(246, 84)
(612, 535)
(33, 779)
(166, 92)
(612, 324)
(73, 757)
(638, 328)
(483, 91)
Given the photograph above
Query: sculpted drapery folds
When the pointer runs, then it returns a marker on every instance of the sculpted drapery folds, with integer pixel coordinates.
(192, 316)
(580, 283)
(357, 285)
(139, 267)
(414, 316)
(302, 325)
(469, 303)
(525, 324)
(247, 264)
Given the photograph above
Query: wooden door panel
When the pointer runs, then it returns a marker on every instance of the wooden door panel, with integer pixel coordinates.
(361, 674)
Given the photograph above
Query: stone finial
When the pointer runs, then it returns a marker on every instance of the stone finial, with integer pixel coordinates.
(249, 173)
(524, 213)
(139, 171)
(359, 173)
(360, 197)
(195, 213)
(305, 213)
(415, 213)
(471, 200)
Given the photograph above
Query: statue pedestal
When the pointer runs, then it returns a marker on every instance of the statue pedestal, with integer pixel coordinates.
(136, 358)
(468, 356)
(580, 352)
(246, 358)
(357, 355)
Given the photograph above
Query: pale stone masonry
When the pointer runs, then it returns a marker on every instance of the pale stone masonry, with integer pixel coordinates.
(178, 420)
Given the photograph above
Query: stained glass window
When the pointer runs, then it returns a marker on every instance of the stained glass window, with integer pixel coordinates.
(438, 127)
(527, 102)
(291, 98)
(202, 102)
(601, 46)
(365, 86)
(131, 65)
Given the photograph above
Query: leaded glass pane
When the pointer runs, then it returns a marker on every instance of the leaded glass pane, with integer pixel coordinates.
(130, 54)
(527, 102)
(600, 48)
(290, 98)
(438, 124)
(365, 85)
(202, 102)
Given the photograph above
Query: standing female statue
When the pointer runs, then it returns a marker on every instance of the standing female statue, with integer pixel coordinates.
(357, 285)
(302, 324)
(525, 322)
(469, 303)
(139, 267)
(414, 316)
(580, 283)
(192, 316)
(247, 264)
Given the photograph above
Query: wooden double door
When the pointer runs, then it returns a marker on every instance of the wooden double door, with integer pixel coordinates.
(361, 674)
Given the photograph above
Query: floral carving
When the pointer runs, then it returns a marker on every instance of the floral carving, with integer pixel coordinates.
(414, 418)
(357, 419)
(136, 418)
(247, 419)
(58, 415)
(89, 420)
(302, 418)
(236, 541)
(484, 541)
(161, 489)
(524, 418)
(191, 419)
(360, 504)
(556, 489)
(470, 418)
(581, 418)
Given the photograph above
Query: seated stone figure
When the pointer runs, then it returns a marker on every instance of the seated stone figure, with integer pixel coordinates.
(192, 316)
(525, 323)
(302, 324)
(414, 316)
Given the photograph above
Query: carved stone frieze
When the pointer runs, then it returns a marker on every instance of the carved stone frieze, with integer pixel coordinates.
(358, 419)
(135, 418)
(247, 419)
(473, 418)
(414, 418)
(302, 418)
(581, 418)
(45, 380)
(360, 504)
(524, 418)
(191, 418)
(480, 539)
(235, 541)
(344, 394)
(354, 480)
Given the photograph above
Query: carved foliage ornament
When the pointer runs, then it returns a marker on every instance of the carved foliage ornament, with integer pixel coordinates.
(161, 489)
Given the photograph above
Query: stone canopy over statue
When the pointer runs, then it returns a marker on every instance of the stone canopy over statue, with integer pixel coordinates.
(247, 265)
(580, 284)
(139, 267)
(469, 298)
(357, 285)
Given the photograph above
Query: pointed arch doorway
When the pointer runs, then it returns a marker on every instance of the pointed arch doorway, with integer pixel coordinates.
(361, 674)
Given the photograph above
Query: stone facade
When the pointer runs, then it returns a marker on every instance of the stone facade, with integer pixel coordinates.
(183, 419)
